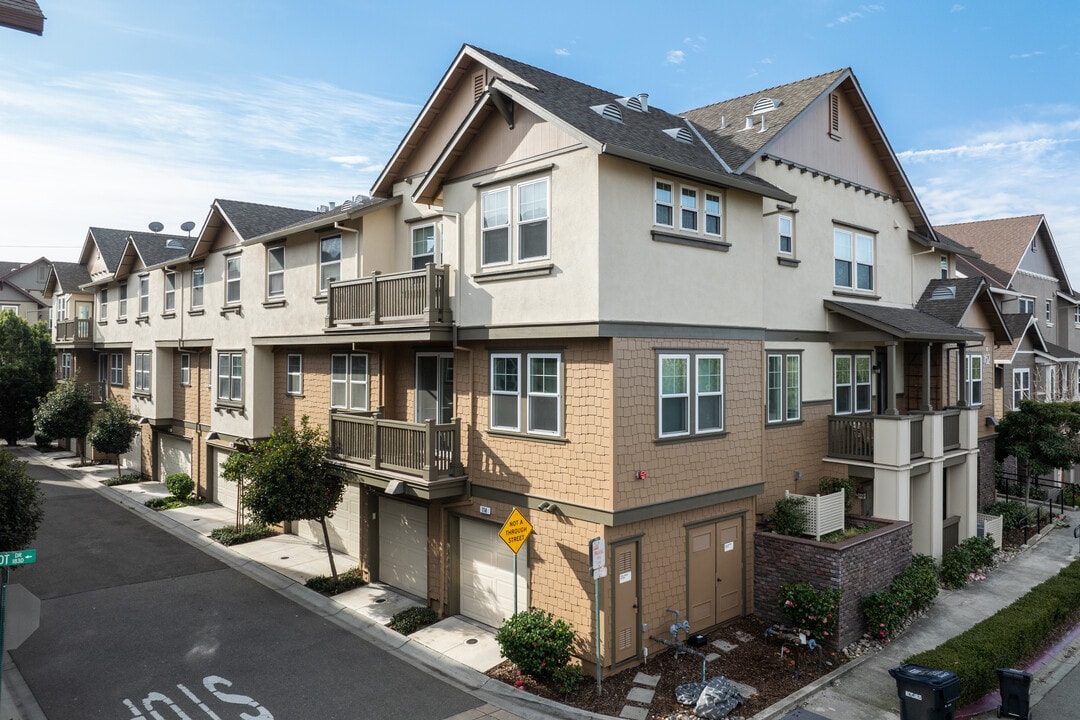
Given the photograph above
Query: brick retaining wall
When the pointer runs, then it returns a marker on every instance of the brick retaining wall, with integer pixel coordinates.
(859, 566)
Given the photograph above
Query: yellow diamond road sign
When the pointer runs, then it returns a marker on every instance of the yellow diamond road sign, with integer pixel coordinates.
(515, 531)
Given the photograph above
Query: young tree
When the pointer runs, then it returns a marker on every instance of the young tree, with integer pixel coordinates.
(112, 430)
(27, 373)
(21, 504)
(65, 412)
(1042, 436)
(287, 478)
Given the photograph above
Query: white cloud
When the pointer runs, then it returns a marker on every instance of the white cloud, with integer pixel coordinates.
(957, 8)
(863, 11)
(562, 51)
(1025, 56)
(675, 57)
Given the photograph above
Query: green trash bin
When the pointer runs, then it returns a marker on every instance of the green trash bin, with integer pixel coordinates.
(1015, 686)
(925, 693)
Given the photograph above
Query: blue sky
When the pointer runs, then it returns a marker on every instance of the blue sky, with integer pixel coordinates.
(129, 111)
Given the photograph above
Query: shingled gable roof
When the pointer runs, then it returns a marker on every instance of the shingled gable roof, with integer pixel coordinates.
(903, 323)
(1002, 243)
(66, 277)
(246, 219)
(722, 125)
(639, 136)
(950, 300)
(110, 243)
(326, 219)
(1058, 353)
(30, 298)
(22, 15)
(972, 266)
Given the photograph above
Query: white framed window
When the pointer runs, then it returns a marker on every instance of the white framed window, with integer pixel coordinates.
(495, 227)
(103, 368)
(185, 368)
(116, 369)
(714, 214)
(1076, 316)
(230, 376)
(170, 291)
(329, 261)
(61, 308)
(688, 209)
(974, 381)
(852, 390)
(65, 365)
(785, 229)
(294, 374)
(103, 304)
(663, 197)
(944, 264)
(423, 246)
(198, 282)
(853, 260)
(690, 394)
(533, 206)
(232, 279)
(1049, 313)
(528, 385)
(1051, 383)
(1026, 305)
(349, 381)
(783, 380)
(141, 376)
(1021, 386)
(144, 295)
(275, 271)
(527, 204)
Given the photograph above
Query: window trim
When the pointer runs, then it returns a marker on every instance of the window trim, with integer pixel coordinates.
(198, 289)
(689, 211)
(1028, 302)
(140, 376)
(324, 281)
(854, 235)
(66, 365)
(233, 282)
(675, 208)
(103, 304)
(1049, 313)
(412, 245)
(121, 301)
(294, 379)
(185, 369)
(515, 393)
(784, 388)
(539, 395)
(351, 386)
(144, 295)
(116, 369)
(854, 384)
(169, 294)
(780, 237)
(1021, 391)
(230, 376)
(525, 398)
(970, 381)
(272, 274)
(690, 394)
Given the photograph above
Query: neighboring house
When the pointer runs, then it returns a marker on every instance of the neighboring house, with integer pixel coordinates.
(24, 15)
(1026, 275)
(626, 323)
(22, 288)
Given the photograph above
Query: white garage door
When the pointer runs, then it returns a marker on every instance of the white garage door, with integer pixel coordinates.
(224, 490)
(487, 574)
(403, 546)
(132, 459)
(174, 456)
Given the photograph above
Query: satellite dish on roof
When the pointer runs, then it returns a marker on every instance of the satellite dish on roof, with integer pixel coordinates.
(188, 226)
(156, 226)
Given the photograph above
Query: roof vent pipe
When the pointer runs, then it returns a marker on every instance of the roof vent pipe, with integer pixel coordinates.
(643, 98)
(723, 122)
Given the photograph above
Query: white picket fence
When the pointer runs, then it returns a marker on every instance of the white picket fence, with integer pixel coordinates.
(990, 525)
(824, 513)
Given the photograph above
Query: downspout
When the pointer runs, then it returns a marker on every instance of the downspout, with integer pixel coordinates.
(913, 256)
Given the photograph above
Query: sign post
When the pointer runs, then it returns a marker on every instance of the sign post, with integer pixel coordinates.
(598, 568)
(7, 559)
(515, 531)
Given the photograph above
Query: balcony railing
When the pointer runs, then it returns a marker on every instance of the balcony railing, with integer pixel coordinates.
(99, 391)
(429, 451)
(73, 330)
(852, 437)
(417, 297)
(916, 437)
(951, 429)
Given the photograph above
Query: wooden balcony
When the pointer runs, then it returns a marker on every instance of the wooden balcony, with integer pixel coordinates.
(415, 298)
(74, 331)
(852, 437)
(425, 456)
(99, 391)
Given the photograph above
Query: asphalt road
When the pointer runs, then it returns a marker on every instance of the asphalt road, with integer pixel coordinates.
(136, 623)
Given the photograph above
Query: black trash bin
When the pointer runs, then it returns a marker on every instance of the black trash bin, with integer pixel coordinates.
(1015, 686)
(925, 693)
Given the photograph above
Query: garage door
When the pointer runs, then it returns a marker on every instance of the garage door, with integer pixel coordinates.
(403, 546)
(132, 459)
(224, 490)
(487, 574)
(174, 456)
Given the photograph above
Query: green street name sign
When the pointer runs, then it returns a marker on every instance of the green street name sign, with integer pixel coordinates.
(18, 557)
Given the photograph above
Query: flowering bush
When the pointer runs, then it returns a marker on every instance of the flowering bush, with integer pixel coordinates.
(963, 562)
(910, 591)
(809, 610)
(537, 643)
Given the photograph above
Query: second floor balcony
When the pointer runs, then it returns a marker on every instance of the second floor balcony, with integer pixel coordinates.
(417, 298)
(424, 456)
(901, 439)
(75, 331)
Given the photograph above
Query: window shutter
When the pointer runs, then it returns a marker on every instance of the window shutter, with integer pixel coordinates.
(834, 116)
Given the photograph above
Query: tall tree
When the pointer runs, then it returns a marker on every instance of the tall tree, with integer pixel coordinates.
(66, 412)
(112, 430)
(1041, 436)
(287, 478)
(27, 373)
(21, 504)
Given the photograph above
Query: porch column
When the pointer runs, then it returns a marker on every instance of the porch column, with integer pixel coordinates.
(961, 374)
(927, 406)
(892, 377)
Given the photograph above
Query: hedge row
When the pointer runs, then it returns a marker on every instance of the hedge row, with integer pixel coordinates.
(1011, 636)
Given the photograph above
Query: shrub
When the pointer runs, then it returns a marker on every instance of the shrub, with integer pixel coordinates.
(329, 585)
(919, 581)
(180, 485)
(829, 485)
(125, 479)
(42, 440)
(956, 563)
(412, 619)
(910, 591)
(982, 551)
(568, 679)
(231, 535)
(789, 518)
(810, 610)
(1012, 514)
(536, 642)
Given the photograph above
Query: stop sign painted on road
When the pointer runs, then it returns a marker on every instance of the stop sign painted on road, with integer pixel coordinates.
(22, 616)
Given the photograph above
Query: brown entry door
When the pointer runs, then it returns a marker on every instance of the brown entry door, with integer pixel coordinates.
(627, 615)
(715, 571)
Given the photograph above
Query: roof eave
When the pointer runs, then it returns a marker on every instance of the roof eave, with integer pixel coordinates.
(321, 221)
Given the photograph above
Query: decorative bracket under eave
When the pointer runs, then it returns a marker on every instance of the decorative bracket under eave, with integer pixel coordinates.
(505, 106)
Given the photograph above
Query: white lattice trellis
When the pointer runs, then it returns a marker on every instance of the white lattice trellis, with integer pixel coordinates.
(991, 525)
(824, 513)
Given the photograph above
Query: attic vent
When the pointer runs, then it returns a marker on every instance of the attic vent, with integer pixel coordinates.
(611, 111)
(174, 245)
(639, 103)
(477, 86)
(944, 292)
(765, 105)
(681, 135)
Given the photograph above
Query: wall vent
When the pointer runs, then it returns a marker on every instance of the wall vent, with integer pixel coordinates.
(611, 111)
(944, 292)
(765, 105)
(681, 134)
(640, 103)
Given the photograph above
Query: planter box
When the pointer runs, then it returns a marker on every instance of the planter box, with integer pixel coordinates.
(858, 566)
